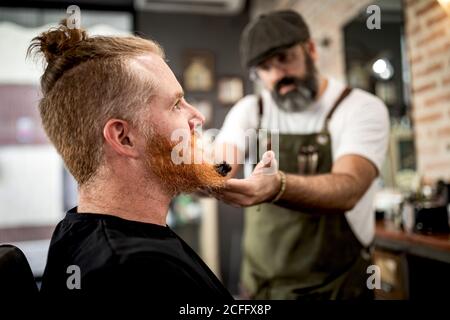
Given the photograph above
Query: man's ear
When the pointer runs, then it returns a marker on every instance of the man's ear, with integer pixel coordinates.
(253, 74)
(312, 50)
(119, 136)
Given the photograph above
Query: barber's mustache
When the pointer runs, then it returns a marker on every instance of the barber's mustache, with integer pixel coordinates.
(287, 81)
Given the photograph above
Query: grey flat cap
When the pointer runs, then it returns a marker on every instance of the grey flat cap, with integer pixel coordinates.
(270, 33)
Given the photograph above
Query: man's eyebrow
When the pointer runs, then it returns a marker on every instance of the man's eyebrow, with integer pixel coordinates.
(178, 95)
(176, 98)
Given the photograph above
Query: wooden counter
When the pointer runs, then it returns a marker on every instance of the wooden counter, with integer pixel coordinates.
(435, 247)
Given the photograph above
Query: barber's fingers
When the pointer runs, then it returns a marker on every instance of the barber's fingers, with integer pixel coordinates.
(234, 199)
(243, 186)
(203, 192)
(268, 165)
(236, 191)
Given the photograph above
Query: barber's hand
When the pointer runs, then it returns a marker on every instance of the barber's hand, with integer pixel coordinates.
(204, 193)
(262, 186)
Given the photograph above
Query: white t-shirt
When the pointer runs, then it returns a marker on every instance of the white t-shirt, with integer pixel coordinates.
(360, 125)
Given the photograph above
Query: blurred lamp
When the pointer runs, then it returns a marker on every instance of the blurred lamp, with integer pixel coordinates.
(445, 4)
(383, 69)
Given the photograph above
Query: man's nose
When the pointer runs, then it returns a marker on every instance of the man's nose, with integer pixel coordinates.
(276, 74)
(195, 118)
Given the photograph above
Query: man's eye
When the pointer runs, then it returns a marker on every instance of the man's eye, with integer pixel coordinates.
(177, 105)
(282, 57)
(263, 67)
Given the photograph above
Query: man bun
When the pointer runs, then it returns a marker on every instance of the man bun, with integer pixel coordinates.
(55, 42)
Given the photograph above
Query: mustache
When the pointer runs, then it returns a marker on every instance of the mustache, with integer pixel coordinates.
(288, 81)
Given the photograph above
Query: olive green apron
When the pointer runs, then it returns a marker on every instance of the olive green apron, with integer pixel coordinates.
(288, 254)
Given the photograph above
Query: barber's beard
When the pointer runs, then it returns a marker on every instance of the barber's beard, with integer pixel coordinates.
(182, 177)
(304, 93)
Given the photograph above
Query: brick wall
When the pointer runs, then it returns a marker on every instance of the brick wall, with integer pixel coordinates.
(428, 47)
(326, 19)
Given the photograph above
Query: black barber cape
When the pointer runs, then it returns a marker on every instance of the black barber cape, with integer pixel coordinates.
(114, 256)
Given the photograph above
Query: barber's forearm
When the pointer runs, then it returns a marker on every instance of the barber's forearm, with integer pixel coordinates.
(327, 193)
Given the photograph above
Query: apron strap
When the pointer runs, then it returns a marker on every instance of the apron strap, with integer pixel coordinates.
(260, 111)
(343, 95)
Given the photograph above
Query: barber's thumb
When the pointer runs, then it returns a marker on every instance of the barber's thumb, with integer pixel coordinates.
(268, 161)
(268, 157)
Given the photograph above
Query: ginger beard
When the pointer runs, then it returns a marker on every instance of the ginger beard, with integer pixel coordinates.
(182, 177)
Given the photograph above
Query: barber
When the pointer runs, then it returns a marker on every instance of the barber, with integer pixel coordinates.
(309, 226)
